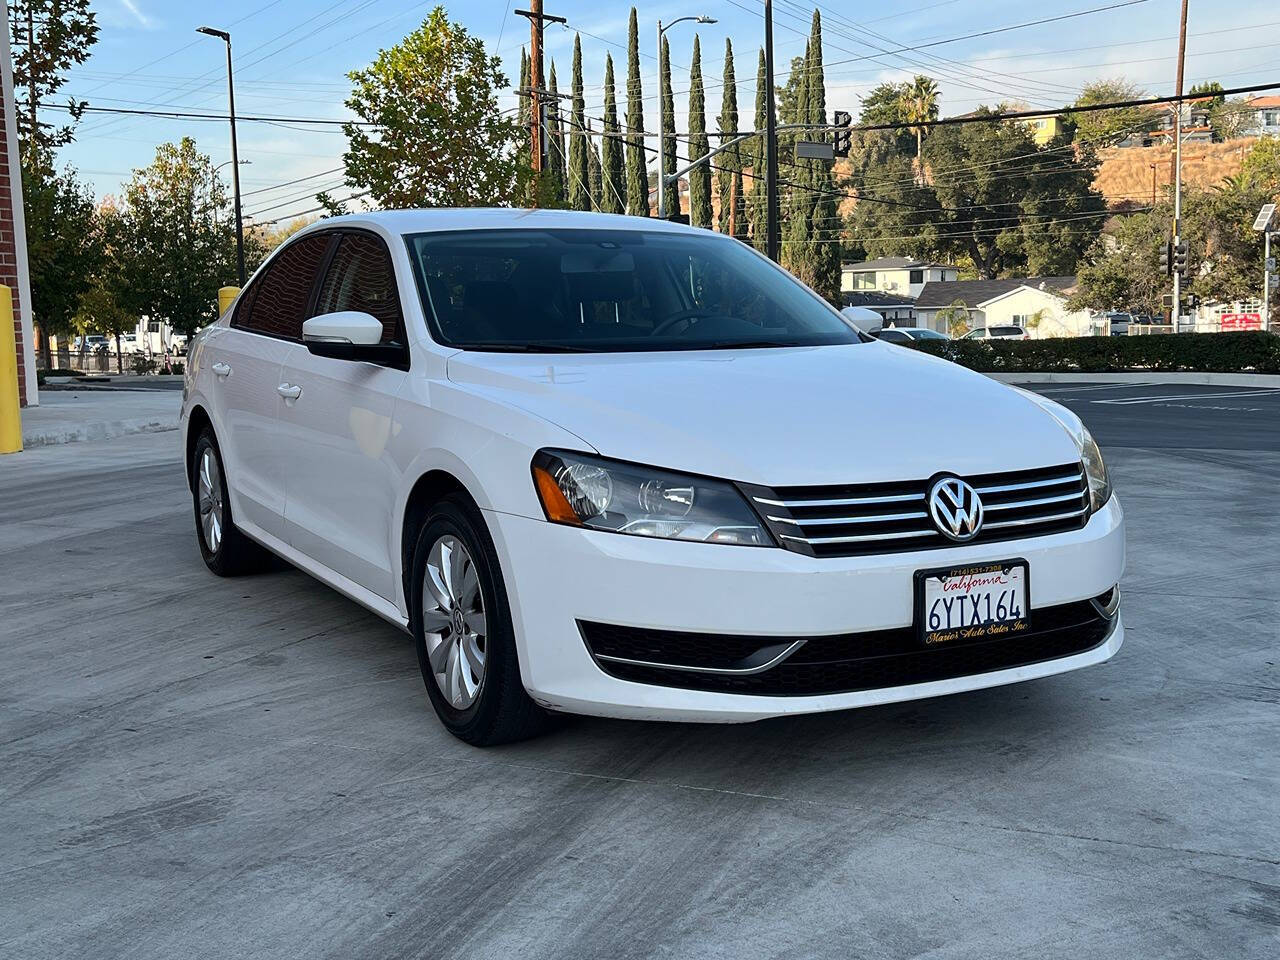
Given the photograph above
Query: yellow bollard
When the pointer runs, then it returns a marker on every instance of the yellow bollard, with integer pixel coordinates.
(10, 414)
(225, 296)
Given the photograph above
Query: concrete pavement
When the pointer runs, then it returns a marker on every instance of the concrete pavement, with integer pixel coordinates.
(249, 768)
(75, 415)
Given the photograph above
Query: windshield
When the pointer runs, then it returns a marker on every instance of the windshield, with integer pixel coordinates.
(612, 290)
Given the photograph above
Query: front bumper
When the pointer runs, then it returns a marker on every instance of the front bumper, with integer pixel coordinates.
(557, 576)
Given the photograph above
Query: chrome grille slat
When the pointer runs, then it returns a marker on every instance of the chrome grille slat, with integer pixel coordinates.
(871, 536)
(1030, 520)
(1029, 485)
(1022, 504)
(836, 521)
(844, 502)
(1040, 502)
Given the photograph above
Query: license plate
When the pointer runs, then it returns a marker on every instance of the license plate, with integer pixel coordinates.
(970, 604)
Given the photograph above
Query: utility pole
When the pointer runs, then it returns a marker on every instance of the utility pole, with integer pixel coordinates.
(771, 140)
(1175, 312)
(537, 110)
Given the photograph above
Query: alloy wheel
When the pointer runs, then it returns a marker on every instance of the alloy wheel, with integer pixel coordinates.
(209, 491)
(453, 621)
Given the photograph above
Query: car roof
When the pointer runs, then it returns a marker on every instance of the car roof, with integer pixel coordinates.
(498, 218)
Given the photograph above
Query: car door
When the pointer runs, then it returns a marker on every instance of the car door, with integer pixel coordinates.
(342, 482)
(248, 357)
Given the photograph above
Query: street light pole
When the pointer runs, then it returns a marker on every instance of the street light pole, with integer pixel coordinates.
(235, 153)
(1175, 312)
(662, 149)
(770, 140)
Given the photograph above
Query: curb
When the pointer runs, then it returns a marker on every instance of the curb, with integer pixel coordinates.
(95, 430)
(1207, 379)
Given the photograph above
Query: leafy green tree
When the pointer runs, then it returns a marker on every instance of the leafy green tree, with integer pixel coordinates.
(699, 176)
(1262, 166)
(729, 176)
(895, 215)
(919, 106)
(1008, 205)
(48, 38)
(579, 163)
(431, 131)
(174, 251)
(795, 187)
(1211, 89)
(62, 253)
(1120, 271)
(757, 202)
(955, 318)
(825, 254)
(668, 100)
(613, 188)
(1103, 127)
(1230, 118)
(637, 175)
(884, 104)
(102, 308)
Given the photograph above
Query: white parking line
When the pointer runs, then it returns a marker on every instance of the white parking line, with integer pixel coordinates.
(1263, 392)
(1086, 387)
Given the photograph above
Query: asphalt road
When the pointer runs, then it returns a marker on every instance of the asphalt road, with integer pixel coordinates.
(249, 768)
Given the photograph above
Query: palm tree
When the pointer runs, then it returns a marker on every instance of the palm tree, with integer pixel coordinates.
(919, 105)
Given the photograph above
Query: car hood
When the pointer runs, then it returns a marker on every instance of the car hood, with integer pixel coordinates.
(859, 413)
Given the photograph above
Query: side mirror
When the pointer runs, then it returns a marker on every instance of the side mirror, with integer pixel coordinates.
(345, 326)
(352, 335)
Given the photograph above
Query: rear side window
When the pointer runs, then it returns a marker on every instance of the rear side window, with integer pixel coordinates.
(276, 303)
(893, 336)
(1006, 331)
(362, 278)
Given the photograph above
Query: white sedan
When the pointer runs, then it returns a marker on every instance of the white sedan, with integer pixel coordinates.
(615, 466)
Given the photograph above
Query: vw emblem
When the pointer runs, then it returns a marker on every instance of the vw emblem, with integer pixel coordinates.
(956, 508)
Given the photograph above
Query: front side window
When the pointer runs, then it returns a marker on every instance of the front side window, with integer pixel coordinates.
(612, 290)
(361, 277)
(276, 302)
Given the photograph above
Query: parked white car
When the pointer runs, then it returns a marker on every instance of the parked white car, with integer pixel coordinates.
(616, 466)
(997, 333)
(906, 335)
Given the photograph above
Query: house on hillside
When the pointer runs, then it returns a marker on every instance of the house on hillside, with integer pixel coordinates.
(900, 275)
(1266, 117)
(1044, 129)
(1037, 304)
(1197, 124)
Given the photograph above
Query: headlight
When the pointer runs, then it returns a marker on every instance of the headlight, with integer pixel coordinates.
(1095, 469)
(601, 494)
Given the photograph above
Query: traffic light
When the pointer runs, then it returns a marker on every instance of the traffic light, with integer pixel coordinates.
(844, 139)
(1166, 258)
(1180, 257)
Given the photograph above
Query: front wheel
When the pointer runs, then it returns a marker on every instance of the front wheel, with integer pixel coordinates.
(463, 631)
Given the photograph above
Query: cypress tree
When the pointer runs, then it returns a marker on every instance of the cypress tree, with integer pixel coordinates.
(637, 172)
(824, 254)
(699, 176)
(579, 166)
(797, 200)
(729, 176)
(554, 193)
(525, 112)
(594, 173)
(668, 116)
(613, 189)
(757, 206)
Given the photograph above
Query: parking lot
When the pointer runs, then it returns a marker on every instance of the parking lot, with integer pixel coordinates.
(250, 768)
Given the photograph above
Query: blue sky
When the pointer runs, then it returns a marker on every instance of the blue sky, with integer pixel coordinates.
(292, 57)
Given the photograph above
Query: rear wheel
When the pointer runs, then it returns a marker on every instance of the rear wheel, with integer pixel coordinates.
(226, 551)
(463, 632)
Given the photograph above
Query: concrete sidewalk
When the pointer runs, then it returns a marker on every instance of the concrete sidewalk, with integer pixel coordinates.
(68, 416)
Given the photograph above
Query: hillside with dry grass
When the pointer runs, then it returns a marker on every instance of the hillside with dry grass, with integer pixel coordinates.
(1126, 175)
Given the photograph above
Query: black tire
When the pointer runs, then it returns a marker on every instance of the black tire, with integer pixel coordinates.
(502, 711)
(233, 554)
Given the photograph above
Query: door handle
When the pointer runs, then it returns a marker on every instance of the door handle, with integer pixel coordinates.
(289, 391)
(221, 369)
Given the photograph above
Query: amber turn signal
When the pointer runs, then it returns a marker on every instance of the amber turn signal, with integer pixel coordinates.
(553, 499)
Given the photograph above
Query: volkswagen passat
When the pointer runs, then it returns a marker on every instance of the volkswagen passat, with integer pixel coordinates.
(621, 467)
